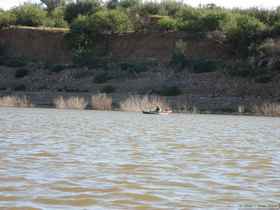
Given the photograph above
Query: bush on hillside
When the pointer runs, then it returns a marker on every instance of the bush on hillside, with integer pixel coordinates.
(52, 4)
(109, 21)
(84, 7)
(30, 15)
(6, 19)
(167, 24)
(241, 31)
(264, 15)
(170, 7)
(129, 3)
(56, 18)
(149, 8)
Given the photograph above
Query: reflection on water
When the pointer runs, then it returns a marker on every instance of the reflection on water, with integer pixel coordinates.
(54, 159)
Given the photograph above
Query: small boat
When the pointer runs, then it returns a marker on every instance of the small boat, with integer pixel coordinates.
(159, 113)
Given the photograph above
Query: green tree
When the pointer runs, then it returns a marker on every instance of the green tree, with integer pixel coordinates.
(82, 7)
(129, 3)
(110, 21)
(29, 15)
(52, 4)
(56, 18)
(167, 23)
(6, 19)
(241, 32)
(112, 4)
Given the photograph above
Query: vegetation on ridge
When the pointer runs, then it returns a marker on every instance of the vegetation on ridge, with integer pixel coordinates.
(250, 35)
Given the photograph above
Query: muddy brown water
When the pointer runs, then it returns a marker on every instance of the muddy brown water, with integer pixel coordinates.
(66, 159)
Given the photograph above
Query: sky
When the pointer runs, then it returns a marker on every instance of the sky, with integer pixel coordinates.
(6, 4)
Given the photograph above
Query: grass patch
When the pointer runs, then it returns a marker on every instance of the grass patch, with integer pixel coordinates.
(101, 102)
(136, 103)
(13, 101)
(267, 109)
(70, 103)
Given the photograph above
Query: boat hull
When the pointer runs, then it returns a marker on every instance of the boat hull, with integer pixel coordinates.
(157, 113)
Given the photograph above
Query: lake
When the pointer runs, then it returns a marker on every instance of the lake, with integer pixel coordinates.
(67, 159)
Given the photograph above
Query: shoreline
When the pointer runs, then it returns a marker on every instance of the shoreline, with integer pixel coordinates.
(194, 104)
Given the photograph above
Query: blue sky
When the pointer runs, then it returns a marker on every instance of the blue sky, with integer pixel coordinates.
(6, 4)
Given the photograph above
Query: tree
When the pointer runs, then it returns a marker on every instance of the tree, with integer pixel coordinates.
(82, 7)
(29, 15)
(112, 4)
(52, 4)
(110, 21)
(6, 19)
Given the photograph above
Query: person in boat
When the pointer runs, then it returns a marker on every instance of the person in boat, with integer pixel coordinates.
(158, 109)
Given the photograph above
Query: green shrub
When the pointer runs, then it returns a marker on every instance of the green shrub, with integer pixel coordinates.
(212, 21)
(85, 31)
(188, 19)
(84, 7)
(109, 21)
(167, 23)
(149, 8)
(129, 3)
(266, 16)
(108, 89)
(170, 7)
(193, 20)
(81, 35)
(241, 31)
(188, 14)
(52, 4)
(6, 19)
(56, 18)
(112, 4)
(20, 73)
(29, 15)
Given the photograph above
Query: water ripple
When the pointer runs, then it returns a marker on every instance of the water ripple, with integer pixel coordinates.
(56, 159)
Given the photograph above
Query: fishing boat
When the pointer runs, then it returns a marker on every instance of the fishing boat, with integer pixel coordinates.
(158, 113)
